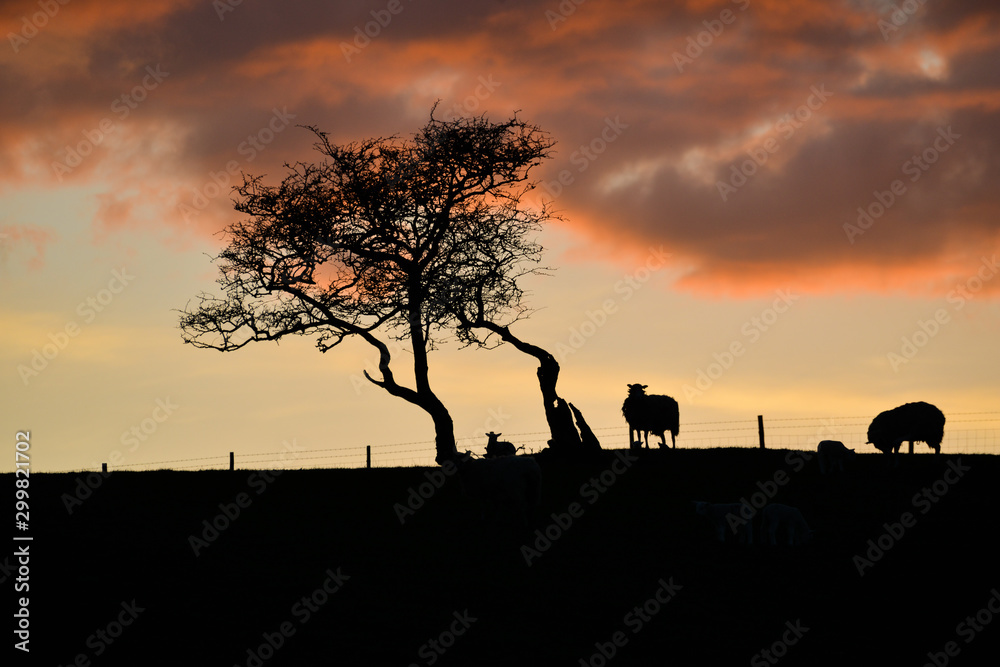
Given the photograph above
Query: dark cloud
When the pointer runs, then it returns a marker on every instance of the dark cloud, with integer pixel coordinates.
(687, 123)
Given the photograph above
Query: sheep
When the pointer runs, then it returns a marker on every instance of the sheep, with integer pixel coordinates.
(911, 422)
(507, 488)
(832, 454)
(496, 448)
(784, 520)
(650, 413)
(726, 517)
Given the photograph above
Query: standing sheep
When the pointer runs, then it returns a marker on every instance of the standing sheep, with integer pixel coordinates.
(647, 414)
(496, 448)
(786, 522)
(832, 454)
(911, 422)
(507, 488)
(727, 517)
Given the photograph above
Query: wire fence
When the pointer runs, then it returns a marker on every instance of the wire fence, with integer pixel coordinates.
(965, 433)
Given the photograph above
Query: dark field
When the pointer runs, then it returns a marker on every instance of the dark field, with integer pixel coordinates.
(254, 594)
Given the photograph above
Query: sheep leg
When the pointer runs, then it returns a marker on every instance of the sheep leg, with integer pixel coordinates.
(768, 529)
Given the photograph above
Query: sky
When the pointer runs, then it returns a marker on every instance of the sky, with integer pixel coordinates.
(784, 208)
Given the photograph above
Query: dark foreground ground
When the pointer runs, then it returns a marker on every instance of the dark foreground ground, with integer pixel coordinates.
(634, 579)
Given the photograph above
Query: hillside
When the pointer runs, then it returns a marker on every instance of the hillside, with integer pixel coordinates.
(443, 588)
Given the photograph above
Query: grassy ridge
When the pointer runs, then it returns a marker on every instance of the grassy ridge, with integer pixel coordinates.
(404, 584)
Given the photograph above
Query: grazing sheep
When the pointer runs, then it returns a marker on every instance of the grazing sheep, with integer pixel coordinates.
(785, 521)
(496, 448)
(726, 518)
(911, 422)
(650, 413)
(832, 454)
(507, 488)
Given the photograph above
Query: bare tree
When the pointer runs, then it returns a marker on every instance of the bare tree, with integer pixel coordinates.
(491, 269)
(371, 241)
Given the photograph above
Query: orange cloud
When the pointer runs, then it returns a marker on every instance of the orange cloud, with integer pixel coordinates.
(746, 89)
(21, 236)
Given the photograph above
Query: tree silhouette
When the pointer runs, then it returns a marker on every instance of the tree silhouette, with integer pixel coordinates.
(385, 239)
(494, 255)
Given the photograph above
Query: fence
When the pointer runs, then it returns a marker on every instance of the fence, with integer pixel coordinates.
(965, 433)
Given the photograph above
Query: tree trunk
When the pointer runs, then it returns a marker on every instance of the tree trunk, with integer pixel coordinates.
(423, 397)
(591, 444)
(565, 439)
(444, 427)
(444, 434)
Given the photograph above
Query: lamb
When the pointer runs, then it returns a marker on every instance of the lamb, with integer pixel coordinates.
(650, 413)
(507, 488)
(785, 521)
(496, 448)
(726, 517)
(832, 454)
(911, 422)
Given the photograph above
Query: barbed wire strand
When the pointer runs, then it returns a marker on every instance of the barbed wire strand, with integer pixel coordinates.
(388, 451)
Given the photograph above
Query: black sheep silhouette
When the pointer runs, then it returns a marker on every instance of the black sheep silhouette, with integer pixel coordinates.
(911, 423)
(646, 413)
(496, 448)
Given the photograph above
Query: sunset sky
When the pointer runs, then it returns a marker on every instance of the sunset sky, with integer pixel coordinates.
(771, 207)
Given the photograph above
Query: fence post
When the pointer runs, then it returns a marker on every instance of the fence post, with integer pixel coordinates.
(232, 462)
(760, 429)
(368, 456)
(104, 467)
